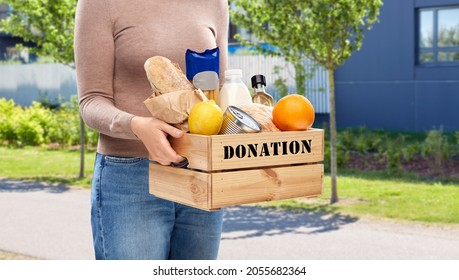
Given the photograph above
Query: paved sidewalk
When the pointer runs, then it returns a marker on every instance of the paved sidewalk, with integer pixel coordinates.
(45, 221)
(52, 222)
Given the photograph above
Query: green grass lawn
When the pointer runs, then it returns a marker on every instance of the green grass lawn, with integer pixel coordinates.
(361, 193)
(389, 198)
(62, 166)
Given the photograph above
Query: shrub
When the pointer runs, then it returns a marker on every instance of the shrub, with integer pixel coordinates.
(436, 145)
(346, 139)
(29, 132)
(38, 124)
(392, 147)
(362, 140)
(410, 151)
(394, 153)
(8, 114)
(67, 133)
(456, 151)
(43, 117)
(342, 156)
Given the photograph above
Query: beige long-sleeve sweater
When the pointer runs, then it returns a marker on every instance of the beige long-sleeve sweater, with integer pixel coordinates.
(114, 38)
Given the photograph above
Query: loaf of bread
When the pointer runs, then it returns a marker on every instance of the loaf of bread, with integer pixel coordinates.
(165, 76)
(262, 114)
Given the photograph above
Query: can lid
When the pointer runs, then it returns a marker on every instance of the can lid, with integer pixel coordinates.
(258, 79)
(242, 119)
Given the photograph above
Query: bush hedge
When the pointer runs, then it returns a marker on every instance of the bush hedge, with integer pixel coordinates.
(40, 125)
(394, 147)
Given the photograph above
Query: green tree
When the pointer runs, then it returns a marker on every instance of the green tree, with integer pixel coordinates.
(327, 31)
(270, 22)
(49, 24)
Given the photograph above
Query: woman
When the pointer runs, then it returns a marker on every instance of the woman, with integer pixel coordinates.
(113, 39)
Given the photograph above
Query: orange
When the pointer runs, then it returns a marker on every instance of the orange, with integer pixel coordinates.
(293, 112)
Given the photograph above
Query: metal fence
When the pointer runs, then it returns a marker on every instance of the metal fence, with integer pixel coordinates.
(56, 82)
(27, 83)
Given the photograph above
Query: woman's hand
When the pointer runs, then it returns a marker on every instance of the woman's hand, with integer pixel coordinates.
(153, 133)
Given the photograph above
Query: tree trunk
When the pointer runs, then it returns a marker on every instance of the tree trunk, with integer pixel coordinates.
(81, 175)
(333, 164)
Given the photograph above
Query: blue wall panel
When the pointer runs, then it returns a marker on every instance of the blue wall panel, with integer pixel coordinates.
(382, 87)
(446, 73)
(376, 105)
(387, 51)
(433, 3)
(437, 105)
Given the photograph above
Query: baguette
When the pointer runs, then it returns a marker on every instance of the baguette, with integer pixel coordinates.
(165, 76)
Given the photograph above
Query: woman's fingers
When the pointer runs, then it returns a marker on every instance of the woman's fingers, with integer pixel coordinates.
(153, 134)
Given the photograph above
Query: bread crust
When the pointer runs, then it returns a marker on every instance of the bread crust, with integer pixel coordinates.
(165, 76)
(262, 114)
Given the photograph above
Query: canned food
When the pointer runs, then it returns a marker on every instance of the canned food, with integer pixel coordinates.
(237, 121)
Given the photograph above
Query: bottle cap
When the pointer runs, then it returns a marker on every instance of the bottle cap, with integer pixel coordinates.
(258, 79)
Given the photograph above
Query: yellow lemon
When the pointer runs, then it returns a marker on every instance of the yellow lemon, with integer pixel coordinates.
(206, 118)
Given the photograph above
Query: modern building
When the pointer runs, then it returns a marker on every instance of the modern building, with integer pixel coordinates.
(406, 75)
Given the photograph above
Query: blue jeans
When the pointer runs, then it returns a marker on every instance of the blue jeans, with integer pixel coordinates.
(130, 223)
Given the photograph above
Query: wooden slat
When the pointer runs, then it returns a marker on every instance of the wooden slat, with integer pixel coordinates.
(215, 190)
(207, 153)
(196, 148)
(259, 185)
(267, 157)
(180, 185)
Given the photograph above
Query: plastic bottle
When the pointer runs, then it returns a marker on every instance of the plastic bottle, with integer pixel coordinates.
(259, 91)
(234, 92)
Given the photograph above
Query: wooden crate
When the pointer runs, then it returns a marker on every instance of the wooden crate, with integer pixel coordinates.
(227, 170)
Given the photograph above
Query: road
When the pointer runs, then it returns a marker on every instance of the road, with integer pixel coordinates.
(49, 221)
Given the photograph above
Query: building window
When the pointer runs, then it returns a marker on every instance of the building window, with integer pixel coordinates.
(438, 35)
